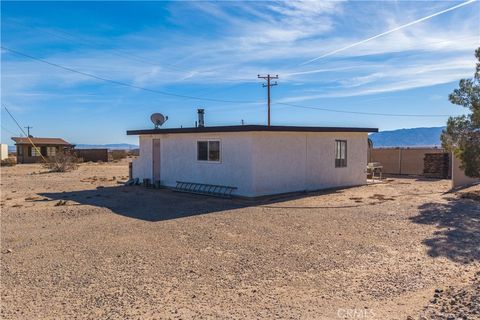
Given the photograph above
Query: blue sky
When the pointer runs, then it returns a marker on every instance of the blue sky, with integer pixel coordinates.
(214, 50)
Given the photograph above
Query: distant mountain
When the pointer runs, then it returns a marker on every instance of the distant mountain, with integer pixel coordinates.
(414, 137)
(112, 146)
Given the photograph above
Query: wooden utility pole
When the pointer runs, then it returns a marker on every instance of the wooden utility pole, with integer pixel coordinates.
(28, 130)
(268, 85)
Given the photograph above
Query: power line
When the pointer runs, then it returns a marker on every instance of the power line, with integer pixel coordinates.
(8, 130)
(205, 99)
(120, 82)
(363, 113)
(28, 136)
(93, 44)
(389, 31)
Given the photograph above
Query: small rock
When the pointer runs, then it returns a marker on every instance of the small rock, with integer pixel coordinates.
(9, 250)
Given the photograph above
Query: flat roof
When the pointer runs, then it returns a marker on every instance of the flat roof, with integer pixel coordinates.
(246, 128)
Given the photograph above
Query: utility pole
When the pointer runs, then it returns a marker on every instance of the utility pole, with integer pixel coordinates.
(268, 85)
(28, 130)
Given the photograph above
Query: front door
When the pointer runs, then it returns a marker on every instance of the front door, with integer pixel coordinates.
(156, 160)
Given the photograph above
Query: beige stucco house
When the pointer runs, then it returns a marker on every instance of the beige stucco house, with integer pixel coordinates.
(257, 160)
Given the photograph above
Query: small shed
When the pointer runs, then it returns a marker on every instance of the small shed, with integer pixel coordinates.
(254, 160)
(46, 147)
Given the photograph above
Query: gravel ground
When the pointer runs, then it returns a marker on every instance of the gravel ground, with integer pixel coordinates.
(81, 245)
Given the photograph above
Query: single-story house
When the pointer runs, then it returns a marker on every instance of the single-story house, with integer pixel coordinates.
(256, 160)
(46, 147)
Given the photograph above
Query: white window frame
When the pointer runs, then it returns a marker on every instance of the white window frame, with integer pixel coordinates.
(50, 153)
(36, 152)
(338, 142)
(208, 146)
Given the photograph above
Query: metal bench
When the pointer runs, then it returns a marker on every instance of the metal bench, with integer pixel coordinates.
(207, 189)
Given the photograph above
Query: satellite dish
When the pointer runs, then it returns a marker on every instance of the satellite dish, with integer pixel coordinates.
(158, 119)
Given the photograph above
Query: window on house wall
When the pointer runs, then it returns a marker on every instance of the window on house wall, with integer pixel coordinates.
(51, 151)
(208, 150)
(340, 153)
(20, 150)
(34, 152)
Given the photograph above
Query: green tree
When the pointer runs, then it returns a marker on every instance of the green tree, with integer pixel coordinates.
(462, 135)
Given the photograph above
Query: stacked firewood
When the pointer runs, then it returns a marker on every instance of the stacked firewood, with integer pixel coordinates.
(436, 165)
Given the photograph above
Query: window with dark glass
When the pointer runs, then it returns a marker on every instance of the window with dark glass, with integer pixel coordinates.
(340, 153)
(208, 150)
(202, 150)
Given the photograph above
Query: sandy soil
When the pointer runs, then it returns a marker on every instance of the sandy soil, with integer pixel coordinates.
(81, 245)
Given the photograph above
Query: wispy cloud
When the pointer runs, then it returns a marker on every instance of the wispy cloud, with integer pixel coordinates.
(271, 37)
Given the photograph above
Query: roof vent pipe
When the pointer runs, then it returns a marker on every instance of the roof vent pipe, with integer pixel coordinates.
(201, 117)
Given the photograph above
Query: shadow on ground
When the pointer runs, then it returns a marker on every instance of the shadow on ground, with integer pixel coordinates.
(458, 223)
(158, 205)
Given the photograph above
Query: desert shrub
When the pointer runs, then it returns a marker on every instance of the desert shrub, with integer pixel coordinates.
(118, 154)
(62, 162)
(9, 162)
(134, 152)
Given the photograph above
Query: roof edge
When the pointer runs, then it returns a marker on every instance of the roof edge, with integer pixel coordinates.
(247, 128)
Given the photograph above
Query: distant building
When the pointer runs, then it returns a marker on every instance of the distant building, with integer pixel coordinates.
(46, 147)
(3, 151)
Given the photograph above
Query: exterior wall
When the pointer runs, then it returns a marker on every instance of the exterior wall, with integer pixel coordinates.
(142, 166)
(299, 161)
(258, 163)
(458, 176)
(23, 156)
(402, 160)
(3, 151)
(179, 160)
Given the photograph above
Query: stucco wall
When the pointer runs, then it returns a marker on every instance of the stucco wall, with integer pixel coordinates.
(258, 163)
(458, 176)
(179, 160)
(298, 161)
(142, 165)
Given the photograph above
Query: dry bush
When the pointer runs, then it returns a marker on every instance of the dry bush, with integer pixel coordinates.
(134, 153)
(118, 154)
(9, 162)
(62, 162)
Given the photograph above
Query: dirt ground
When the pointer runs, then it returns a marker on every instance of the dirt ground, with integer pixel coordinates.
(81, 245)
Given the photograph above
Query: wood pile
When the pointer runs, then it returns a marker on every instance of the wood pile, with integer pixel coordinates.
(436, 165)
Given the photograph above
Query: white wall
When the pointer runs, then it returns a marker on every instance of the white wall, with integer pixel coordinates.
(142, 166)
(298, 161)
(3, 151)
(179, 160)
(258, 163)
(458, 176)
